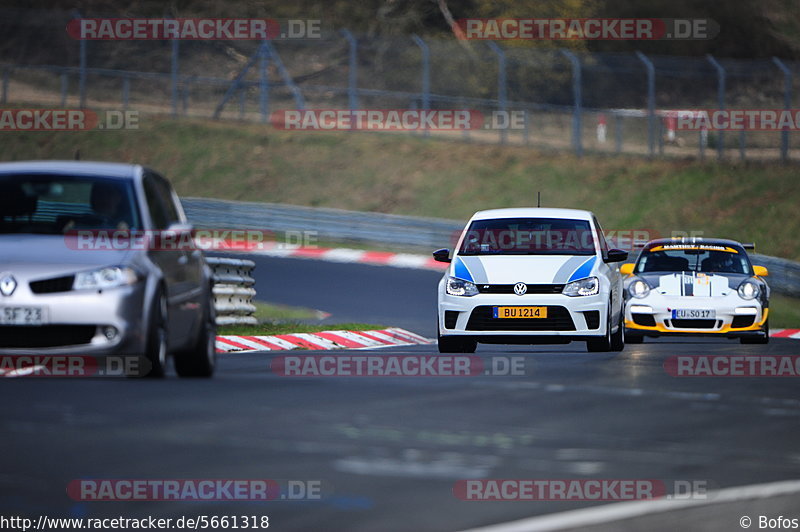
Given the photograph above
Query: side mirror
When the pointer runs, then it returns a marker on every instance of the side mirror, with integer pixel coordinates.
(760, 271)
(616, 255)
(441, 255)
(626, 269)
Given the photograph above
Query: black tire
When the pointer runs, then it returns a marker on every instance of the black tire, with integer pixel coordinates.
(201, 359)
(603, 343)
(618, 338)
(760, 340)
(156, 350)
(457, 344)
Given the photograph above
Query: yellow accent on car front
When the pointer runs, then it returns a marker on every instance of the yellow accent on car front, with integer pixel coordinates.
(659, 327)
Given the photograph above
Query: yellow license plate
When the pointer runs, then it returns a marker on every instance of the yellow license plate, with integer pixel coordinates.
(520, 312)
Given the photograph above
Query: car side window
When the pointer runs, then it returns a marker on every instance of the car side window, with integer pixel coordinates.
(155, 203)
(168, 198)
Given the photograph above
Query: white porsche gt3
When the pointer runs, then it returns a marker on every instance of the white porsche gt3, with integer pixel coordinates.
(531, 276)
(696, 286)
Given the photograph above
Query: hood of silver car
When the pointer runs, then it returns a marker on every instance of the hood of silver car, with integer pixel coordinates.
(41, 256)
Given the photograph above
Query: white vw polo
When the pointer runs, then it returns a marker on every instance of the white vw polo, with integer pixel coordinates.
(531, 276)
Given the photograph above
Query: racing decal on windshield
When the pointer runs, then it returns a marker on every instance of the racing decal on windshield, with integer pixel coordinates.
(703, 247)
(583, 271)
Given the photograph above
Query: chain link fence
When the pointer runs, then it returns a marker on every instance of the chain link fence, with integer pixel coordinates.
(581, 102)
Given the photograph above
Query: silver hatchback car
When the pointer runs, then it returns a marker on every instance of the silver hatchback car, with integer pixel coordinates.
(80, 273)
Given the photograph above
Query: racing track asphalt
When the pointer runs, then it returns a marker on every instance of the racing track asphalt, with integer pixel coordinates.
(392, 448)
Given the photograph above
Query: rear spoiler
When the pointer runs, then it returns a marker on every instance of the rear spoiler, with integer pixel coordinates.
(750, 246)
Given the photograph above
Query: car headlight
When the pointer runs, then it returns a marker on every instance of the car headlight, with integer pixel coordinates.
(104, 278)
(639, 289)
(582, 287)
(460, 287)
(749, 289)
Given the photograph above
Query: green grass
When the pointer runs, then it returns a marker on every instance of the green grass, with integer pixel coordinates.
(284, 319)
(268, 329)
(434, 177)
(274, 313)
(784, 312)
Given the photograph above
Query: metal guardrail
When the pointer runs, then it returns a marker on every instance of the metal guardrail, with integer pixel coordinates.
(784, 275)
(387, 229)
(332, 224)
(233, 290)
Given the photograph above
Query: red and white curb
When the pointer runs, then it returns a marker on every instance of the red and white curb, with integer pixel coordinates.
(325, 340)
(360, 256)
(794, 334)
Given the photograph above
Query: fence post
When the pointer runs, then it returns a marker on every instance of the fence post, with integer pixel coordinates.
(6, 74)
(651, 101)
(174, 76)
(720, 102)
(742, 155)
(126, 92)
(787, 104)
(64, 87)
(577, 98)
(352, 75)
(263, 82)
(426, 75)
(502, 88)
(82, 69)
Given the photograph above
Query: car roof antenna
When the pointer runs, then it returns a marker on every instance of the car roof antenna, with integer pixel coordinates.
(539, 199)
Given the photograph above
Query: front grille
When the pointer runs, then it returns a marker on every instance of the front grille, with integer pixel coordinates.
(45, 335)
(742, 321)
(694, 324)
(558, 319)
(645, 320)
(450, 319)
(51, 286)
(509, 288)
(592, 319)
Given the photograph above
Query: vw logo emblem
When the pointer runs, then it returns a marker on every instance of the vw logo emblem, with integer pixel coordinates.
(7, 284)
(520, 289)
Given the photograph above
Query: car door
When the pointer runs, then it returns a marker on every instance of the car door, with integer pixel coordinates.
(168, 257)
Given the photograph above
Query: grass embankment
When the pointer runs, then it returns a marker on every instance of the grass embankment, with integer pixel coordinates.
(283, 319)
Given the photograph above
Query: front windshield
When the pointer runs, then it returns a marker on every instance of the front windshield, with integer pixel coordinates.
(703, 259)
(50, 204)
(528, 236)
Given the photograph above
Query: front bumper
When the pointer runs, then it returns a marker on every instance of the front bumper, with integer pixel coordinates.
(76, 323)
(728, 322)
(569, 318)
